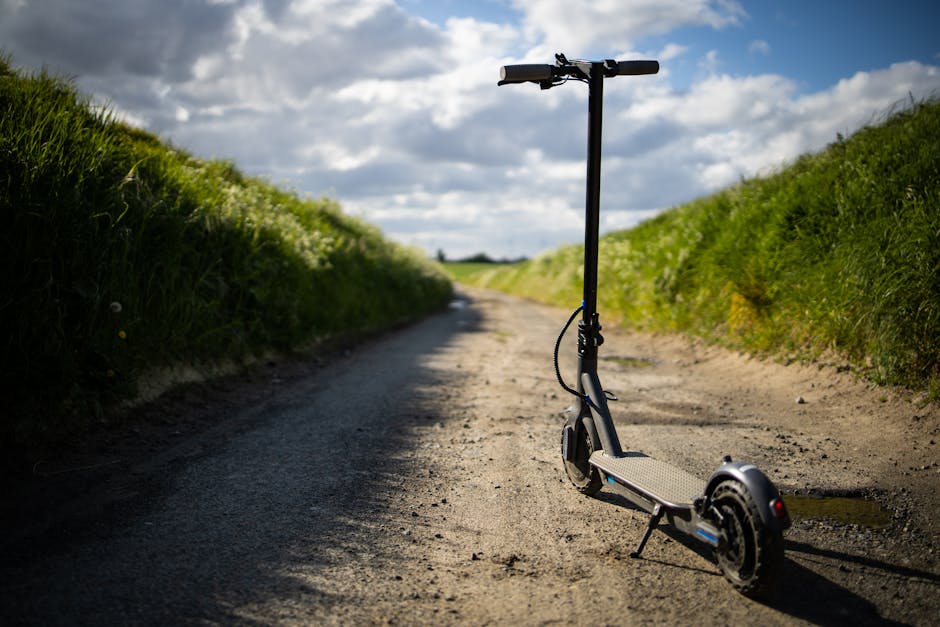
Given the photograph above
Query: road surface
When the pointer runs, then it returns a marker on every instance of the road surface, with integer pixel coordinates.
(415, 479)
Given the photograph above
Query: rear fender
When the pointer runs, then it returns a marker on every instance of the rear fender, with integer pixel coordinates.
(755, 482)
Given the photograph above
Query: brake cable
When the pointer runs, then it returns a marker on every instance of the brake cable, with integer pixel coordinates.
(564, 330)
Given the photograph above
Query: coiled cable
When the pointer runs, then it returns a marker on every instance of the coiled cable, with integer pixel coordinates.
(564, 330)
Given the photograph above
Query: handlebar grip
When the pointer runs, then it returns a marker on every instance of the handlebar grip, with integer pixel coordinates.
(633, 68)
(524, 73)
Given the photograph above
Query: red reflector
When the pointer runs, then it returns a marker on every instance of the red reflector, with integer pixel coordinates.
(780, 510)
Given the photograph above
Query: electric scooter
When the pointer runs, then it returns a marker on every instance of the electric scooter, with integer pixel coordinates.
(737, 511)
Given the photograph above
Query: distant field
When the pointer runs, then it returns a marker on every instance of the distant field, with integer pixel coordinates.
(463, 272)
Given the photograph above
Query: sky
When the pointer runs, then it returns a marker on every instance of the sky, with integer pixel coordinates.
(391, 106)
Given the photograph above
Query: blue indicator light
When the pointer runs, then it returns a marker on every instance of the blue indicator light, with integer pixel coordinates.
(707, 536)
(610, 480)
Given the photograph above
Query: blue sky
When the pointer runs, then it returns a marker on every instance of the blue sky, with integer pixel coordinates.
(391, 107)
(818, 43)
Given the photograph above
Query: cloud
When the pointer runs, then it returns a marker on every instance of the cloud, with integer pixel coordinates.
(401, 120)
(759, 46)
(114, 37)
(583, 28)
(709, 63)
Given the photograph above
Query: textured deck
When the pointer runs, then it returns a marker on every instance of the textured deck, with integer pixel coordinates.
(658, 480)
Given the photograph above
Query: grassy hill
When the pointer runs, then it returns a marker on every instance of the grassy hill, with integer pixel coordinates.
(121, 254)
(838, 253)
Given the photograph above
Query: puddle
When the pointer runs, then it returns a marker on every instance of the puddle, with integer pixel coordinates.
(844, 509)
(458, 304)
(630, 362)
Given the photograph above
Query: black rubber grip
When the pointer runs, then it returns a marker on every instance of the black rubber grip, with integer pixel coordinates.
(523, 73)
(632, 68)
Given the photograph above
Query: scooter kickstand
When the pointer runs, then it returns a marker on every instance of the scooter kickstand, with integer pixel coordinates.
(654, 521)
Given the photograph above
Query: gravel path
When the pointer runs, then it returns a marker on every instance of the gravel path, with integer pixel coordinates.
(416, 480)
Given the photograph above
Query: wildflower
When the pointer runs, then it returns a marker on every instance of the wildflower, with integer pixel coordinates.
(122, 335)
(110, 374)
(116, 307)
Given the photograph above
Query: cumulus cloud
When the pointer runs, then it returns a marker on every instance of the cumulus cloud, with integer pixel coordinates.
(400, 119)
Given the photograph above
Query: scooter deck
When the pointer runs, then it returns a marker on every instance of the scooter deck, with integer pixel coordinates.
(656, 480)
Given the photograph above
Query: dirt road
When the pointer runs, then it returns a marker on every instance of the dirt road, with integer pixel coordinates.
(416, 480)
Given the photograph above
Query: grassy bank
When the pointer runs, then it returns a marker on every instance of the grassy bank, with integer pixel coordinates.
(122, 254)
(837, 253)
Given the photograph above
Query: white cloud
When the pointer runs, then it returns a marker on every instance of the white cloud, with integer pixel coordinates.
(709, 63)
(581, 27)
(670, 52)
(759, 46)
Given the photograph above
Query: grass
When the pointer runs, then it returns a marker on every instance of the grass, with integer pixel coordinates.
(837, 253)
(122, 254)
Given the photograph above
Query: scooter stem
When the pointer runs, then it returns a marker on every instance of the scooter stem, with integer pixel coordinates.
(589, 329)
(592, 199)
(589, 337)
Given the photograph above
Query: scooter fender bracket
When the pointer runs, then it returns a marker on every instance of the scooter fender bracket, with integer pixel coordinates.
(756, 482)
(570, 434)
(568, 443)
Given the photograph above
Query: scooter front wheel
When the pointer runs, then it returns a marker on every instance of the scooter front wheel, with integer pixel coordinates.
(583, 476)
(752, 555)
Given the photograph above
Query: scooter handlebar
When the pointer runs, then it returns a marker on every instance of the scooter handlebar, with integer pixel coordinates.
(545, 74)
(634, 68)
(524, 73)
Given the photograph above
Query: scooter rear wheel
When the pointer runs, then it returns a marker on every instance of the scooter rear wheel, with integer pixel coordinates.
(752, 555)
(583, 476)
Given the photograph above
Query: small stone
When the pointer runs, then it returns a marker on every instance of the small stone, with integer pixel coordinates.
(800, 400)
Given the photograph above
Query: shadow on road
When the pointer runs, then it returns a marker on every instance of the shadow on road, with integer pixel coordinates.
(808, 595)
(802, 592)
(256, 524)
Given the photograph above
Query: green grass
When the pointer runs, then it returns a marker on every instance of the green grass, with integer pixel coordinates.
(837, 254)
(122, 254)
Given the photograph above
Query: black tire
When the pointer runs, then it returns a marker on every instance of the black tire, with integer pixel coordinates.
(584, 477)
(753, 554)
